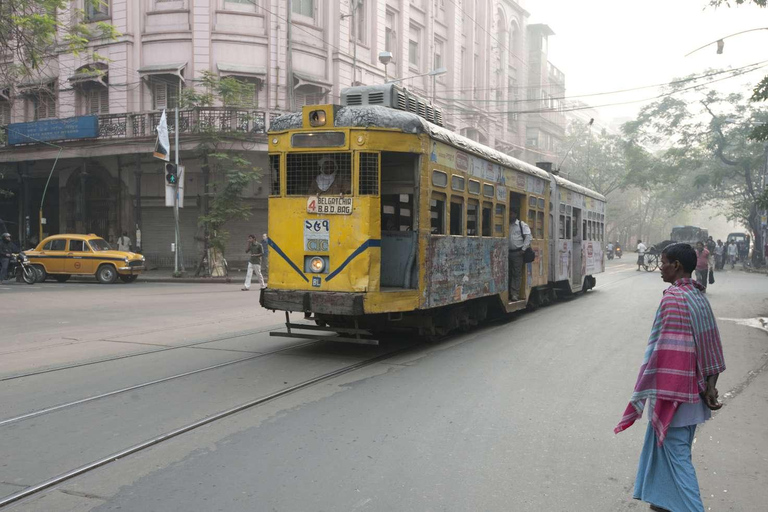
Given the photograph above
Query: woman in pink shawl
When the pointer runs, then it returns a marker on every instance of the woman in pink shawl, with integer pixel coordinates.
(676, 384)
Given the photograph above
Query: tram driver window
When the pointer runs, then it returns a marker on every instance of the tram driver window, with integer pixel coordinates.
(318, 174)
(437, 214)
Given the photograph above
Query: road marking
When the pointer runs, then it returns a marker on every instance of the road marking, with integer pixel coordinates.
(758, 323)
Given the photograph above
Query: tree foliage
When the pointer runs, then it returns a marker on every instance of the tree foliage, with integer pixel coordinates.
(227, 173)
(32, 31)
(708, 152)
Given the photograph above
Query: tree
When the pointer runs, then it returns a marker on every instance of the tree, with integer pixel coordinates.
(710, 155)
(760, 92)
(226, 170)
(32, 31)
(630, 177)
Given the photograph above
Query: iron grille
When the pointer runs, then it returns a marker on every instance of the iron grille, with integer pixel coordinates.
(303, 169)
(354, 99)
(274, 168)
(376, 98)
(369, 174)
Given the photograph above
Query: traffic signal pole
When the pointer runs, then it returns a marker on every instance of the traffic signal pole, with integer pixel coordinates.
(176, 194)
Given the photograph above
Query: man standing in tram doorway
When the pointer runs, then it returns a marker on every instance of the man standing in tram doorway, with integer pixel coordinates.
(519, 241)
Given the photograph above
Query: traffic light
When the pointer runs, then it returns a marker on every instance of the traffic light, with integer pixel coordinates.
(171, 174)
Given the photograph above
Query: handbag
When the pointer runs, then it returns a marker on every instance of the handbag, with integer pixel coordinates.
(529, 255)
(711, 278)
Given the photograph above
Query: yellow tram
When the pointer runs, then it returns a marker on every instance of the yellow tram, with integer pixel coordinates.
(380, 218)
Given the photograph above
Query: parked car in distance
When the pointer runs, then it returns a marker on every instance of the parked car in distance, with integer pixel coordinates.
(62, 256)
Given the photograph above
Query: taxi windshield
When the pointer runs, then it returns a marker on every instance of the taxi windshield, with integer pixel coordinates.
(99, 244)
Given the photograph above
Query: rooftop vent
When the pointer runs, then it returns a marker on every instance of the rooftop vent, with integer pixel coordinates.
(392, 96)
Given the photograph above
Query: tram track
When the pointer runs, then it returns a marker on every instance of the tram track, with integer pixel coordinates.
(81, 401)
(91, 466)
(161, 348)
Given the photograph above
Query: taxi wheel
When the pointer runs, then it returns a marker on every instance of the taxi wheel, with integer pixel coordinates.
(41, 273)
(106, 274)
(128, 279)
(62, 278)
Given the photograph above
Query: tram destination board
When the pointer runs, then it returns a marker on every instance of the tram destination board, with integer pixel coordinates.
(332, 205)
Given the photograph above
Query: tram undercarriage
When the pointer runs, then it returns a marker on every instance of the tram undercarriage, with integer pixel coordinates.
(340, 317)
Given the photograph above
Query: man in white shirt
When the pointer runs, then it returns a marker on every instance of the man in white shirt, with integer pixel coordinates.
(733, 253)
(124, 243)
(641, 248)
(519, 240)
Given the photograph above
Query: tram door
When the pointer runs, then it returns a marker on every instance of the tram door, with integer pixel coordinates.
(399, 216)
(577, 235)
(518, 202)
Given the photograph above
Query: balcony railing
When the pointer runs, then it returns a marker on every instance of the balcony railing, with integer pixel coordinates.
(191, 121)
(195, 121)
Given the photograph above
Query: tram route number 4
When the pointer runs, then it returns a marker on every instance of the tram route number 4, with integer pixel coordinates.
(333, 205)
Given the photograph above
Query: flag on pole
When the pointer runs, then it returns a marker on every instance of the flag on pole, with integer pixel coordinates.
(163, 145)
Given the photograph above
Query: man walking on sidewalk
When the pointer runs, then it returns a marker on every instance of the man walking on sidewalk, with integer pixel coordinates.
(676, 385)
(702, 265)
(254, 265)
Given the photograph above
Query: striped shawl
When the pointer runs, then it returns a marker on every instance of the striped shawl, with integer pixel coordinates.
(684, 348)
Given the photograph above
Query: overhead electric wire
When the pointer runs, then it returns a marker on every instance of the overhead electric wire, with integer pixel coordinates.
(586, 107)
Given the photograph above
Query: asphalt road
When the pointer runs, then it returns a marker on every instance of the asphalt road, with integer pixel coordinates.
(516, 415)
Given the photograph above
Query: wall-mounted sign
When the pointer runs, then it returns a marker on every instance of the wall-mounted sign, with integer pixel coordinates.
(83, 127)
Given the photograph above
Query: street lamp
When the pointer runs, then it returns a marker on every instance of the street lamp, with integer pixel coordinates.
(434, 74)
(385, 58)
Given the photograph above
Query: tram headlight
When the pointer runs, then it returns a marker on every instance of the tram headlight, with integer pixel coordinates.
(316, 265)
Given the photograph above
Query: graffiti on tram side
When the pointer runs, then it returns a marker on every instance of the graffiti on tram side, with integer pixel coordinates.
(592, 260)
(460, 269)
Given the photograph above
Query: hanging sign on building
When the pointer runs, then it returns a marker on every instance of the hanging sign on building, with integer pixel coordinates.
(45, 130)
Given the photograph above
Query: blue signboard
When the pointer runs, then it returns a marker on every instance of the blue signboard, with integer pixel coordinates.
(83, 127)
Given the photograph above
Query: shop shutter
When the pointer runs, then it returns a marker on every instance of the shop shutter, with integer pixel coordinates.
(158, 232)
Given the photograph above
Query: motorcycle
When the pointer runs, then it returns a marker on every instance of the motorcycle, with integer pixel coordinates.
(610, 253)
(20, 266)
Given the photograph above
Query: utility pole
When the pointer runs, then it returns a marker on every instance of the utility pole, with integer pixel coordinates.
(289, 59)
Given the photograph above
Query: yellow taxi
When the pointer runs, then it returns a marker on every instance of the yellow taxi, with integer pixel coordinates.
(62, 256)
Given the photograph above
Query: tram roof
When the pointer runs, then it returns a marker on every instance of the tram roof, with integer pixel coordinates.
(376, 116)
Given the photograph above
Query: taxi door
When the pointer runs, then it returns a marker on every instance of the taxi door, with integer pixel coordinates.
(78, 258)
(53, 255)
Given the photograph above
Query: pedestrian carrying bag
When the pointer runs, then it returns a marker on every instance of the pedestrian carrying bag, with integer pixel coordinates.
(529, 255)
(711, 278)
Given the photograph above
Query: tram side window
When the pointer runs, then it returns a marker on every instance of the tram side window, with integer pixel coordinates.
(568, 224)
(457, 215)
(540, 225)
(274, 172)
(318, 174)
(531, 221)
(501, 214)
(472, 207)
(561, 231)
(369, 174)
(437, 214)
(487, 218)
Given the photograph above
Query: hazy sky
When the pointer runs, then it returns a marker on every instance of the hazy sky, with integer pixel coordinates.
(606, 45)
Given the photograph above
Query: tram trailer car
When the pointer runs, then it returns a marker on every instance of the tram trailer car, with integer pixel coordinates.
(413, 230)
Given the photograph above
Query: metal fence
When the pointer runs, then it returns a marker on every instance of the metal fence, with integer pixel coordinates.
(193, 121)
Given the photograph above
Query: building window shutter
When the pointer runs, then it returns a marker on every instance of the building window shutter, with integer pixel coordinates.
(161, 96)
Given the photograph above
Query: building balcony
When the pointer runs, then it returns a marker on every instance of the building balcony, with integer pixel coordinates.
(192, 121)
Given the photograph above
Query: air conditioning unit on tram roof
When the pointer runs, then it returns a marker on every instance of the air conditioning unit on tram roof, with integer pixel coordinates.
(392, 96)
